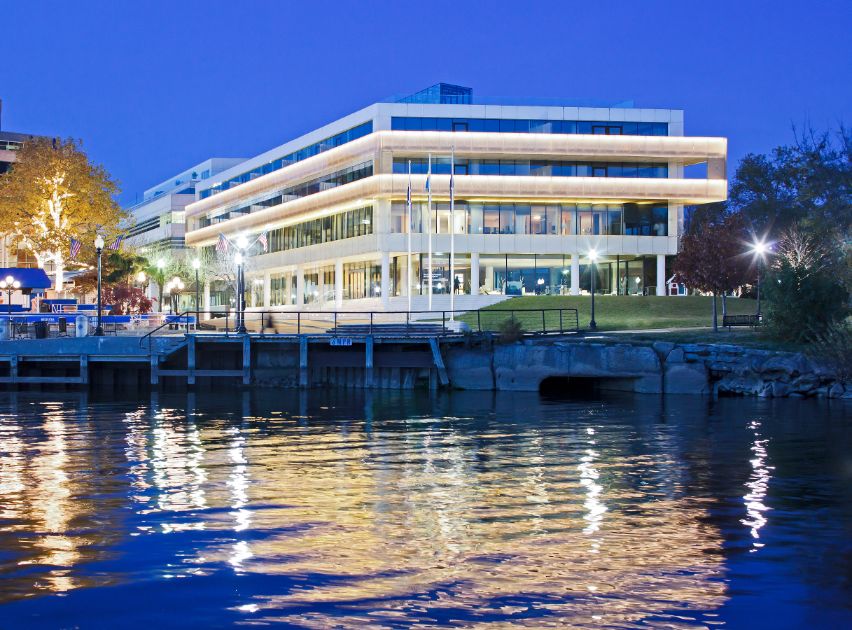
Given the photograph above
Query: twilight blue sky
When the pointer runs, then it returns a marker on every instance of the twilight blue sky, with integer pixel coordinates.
(153, 87)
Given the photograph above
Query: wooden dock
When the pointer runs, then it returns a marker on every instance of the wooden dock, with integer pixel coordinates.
(233, 360)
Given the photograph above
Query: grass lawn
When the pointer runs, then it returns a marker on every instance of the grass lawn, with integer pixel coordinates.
(612, 312)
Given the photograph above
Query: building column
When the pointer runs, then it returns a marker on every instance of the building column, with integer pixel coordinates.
(300, 285)
(205, 300)
(338, 283)
(575, 274)
(661, 274)
(267, 290)
(385, 284)
(474, 273)
(321, 287)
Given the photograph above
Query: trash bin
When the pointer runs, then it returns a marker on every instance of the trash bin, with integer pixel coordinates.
(40, 330)
(81, 326)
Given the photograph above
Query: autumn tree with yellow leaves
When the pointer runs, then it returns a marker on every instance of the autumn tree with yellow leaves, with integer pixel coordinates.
(53, 193)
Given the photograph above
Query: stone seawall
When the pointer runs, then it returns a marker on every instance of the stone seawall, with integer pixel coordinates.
(660, 368)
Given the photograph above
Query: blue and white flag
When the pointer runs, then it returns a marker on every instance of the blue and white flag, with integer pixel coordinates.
(75, 248)
(452, 179)
(116, 244)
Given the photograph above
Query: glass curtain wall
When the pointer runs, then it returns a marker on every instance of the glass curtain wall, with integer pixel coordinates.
(311, 289)
(280, 285)
(525, 274)
(556, 220)
(361, 280)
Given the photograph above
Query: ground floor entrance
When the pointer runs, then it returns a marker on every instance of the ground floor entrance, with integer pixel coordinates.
(331, 283)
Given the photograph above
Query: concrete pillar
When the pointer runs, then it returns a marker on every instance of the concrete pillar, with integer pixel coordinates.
(385, 285)
(300, 285)
(205, 300)
(303, 361)
(338, 283)
(575, 274)
(474, 273)
(267, 290)
(368, 366)
(661, 274)
(190, 360)
(321, 287)
(246, 360)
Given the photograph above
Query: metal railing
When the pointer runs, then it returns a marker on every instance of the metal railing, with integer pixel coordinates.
(535, 321)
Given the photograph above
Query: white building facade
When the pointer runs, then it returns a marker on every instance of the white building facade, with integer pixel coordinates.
(537, 191)
(157, 222)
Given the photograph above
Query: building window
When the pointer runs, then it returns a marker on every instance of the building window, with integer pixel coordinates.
(349, 224)
(559, 220)
(291, 158)
(505, 125)
(316, 185)
(540, 168)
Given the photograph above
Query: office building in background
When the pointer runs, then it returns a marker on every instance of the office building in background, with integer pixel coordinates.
(539, 189)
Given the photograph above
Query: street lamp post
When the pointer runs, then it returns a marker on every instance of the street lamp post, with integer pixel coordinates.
(241, 327)
(161, 264)
(99, 248)
(759, 249)
(196, 264)
(9, 284)
(593, 256)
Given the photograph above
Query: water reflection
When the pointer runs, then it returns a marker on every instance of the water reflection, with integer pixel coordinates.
(757, 485)
(351, 511)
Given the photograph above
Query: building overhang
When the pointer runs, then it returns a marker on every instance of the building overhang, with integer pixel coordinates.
(474, 188)
(678, 149)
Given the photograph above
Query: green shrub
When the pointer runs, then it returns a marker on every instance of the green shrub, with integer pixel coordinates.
(511, 330)
(833, 348)
(804, 290)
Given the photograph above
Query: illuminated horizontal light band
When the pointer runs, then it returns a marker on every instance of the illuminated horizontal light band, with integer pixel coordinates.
(680, 149)
(475, 187)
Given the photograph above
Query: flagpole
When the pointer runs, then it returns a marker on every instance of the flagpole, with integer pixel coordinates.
(452, 234)
(429, 215)
(408, 271)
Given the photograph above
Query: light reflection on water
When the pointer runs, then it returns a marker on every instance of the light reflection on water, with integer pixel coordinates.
(387, 510)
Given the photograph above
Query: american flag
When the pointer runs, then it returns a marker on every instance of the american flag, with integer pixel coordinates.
(116, 244)
(75, 248)
(262, 240)
(222, 245)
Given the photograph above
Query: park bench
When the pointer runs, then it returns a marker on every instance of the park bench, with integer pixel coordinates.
(729, 321)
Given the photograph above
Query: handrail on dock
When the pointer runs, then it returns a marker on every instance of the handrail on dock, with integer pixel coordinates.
(432, 323)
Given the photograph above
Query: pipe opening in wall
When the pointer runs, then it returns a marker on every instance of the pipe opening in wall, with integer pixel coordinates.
(570, 386)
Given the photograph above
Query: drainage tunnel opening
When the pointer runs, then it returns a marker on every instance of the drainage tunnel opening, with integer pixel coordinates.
(569, 386)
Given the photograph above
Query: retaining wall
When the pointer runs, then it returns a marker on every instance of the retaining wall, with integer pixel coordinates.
(660, 368)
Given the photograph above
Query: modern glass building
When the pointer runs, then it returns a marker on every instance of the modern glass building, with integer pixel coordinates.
(537, 189)
(157, 221)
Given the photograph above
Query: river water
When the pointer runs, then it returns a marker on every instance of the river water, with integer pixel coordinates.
(399, 510)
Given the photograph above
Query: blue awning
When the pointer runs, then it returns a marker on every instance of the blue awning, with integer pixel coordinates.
(30, 278)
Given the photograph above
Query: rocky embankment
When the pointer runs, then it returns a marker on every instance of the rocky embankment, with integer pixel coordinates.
(659, 368)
